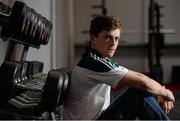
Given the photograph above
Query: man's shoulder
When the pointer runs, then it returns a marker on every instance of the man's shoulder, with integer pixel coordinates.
(95, 63)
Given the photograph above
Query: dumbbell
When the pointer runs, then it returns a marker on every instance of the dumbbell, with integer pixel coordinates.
(35, 78)
(9, 74)
(25, 25)
(34, 68)
(55, 89)
(14, 74)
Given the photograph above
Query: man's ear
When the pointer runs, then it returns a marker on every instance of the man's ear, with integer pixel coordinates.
(92, 40)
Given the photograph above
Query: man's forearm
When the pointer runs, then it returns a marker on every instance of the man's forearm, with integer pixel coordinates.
(143, 82)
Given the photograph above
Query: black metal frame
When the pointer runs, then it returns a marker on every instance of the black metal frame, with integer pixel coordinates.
(155, 41)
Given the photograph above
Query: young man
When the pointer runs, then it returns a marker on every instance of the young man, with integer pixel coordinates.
(96, 73)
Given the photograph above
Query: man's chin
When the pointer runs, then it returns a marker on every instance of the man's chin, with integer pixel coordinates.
(110, 55)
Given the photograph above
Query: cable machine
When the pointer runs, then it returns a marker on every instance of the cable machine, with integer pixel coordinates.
(155, 41)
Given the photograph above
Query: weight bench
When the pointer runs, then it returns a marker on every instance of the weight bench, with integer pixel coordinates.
(54, 93)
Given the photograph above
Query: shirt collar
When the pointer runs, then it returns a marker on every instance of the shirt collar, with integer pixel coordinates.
(90, 50)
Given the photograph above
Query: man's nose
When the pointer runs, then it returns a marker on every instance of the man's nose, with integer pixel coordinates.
(113, 41)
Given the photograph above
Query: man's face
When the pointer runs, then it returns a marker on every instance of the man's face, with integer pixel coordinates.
(106, 42)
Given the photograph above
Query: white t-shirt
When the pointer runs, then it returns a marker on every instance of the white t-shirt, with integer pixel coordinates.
(90, 86)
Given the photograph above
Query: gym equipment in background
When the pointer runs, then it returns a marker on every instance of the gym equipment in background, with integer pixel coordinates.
(25, 91)
(24, 25)
(155, 42)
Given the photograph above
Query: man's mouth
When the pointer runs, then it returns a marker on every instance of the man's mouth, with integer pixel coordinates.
(111, 50)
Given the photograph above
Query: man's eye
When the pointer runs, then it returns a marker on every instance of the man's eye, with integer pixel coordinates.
(107, 38)
(117, 39)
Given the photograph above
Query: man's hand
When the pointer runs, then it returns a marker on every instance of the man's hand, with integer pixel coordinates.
(166, 102)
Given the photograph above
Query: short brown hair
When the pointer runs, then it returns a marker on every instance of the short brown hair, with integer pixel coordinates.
(100, 23)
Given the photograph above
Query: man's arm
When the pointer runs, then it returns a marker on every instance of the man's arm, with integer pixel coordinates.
(141, 81)
(165, 96)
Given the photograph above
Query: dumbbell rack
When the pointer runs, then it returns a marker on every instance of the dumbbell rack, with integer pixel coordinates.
(26, 92)
(15, 84)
